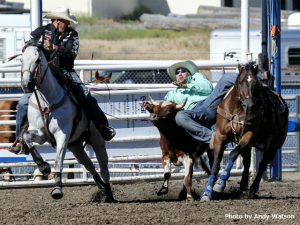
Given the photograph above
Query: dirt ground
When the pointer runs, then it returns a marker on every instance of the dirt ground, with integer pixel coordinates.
(138, 204)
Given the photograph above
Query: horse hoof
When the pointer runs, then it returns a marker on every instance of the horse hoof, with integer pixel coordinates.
(252, 196)
(45, 168)
(162, 191)
(57, 193)
(109, 199)
(189, 198)
(206, 197)
(219, 186)
(244, 195)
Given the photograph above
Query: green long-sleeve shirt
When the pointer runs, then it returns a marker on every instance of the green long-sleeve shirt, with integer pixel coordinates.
(198, 88)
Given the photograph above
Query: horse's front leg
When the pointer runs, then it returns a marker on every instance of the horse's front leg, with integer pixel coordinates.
(166, 162)
(29, 137)
(218, 151)
(243, 145)
(245, 176)
(188, 163)
(61, 147)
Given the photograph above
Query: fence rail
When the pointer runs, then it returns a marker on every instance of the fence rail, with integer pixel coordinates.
(122, 104)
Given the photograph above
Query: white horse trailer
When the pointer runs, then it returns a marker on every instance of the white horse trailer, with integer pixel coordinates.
(225, 45)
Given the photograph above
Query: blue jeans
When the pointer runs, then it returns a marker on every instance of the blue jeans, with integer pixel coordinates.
(87, 102)
(198, 122)
(21, 116)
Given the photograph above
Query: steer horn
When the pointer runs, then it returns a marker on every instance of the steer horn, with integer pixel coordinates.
(152, 101)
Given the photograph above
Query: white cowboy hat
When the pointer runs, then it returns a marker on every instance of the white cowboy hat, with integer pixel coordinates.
(189, 65)
(61, 13)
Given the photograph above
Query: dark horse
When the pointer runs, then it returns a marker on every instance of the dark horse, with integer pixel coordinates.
(251, 115)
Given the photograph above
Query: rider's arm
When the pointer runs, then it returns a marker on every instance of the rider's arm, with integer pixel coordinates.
(37, 34)
(70, 48)
(198, 83)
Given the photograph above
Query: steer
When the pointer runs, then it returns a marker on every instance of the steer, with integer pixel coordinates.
(177, 146)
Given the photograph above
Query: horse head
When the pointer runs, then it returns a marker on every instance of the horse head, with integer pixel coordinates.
(36, 73)
(248, 86)
(103, 78)
(30, 62)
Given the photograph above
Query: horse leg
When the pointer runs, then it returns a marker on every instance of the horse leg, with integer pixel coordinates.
(97, 142)
(245, 176)
(208, 191)
(61, 142)
(219, 147)
(57, 193)
(83, 159)
(210, 156)
(29, 137)
(188, 176)
(267, 158)
(220, 184)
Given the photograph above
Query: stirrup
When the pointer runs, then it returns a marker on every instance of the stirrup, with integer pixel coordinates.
(19, 147)
(15, 149)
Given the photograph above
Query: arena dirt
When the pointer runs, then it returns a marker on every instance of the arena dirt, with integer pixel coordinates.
(139, 204)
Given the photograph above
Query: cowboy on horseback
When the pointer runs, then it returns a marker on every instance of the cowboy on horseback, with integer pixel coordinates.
(60, 45)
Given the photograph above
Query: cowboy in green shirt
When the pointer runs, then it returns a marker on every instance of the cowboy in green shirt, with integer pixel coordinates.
(191, 84)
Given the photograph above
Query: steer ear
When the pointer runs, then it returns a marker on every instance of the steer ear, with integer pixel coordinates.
(180, 106)
(148, 106)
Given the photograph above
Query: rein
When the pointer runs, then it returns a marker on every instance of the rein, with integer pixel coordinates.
(45, 118)
(46, 110)
(237, 119)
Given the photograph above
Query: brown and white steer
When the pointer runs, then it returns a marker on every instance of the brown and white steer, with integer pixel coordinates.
(177, 146)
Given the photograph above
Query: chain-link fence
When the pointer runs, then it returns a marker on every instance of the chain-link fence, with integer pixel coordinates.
(157, 76)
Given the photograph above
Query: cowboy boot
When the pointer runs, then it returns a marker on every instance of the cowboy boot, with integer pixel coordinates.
(19, 146)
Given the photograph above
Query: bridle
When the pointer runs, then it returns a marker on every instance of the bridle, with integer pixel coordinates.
(248, 103)
(34, 74)
(35, 79)
(252, 97)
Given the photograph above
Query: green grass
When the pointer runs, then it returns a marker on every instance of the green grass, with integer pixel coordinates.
(92, 28)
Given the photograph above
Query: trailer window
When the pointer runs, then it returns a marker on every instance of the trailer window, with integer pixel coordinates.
(294, 56)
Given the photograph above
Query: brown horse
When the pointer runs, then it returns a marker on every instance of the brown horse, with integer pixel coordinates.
(7, 112)
(101, 79)
(7, 133)
(251, 115)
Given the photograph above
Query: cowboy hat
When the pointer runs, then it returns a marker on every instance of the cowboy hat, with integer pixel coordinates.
(61, 13)
(189, 65)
